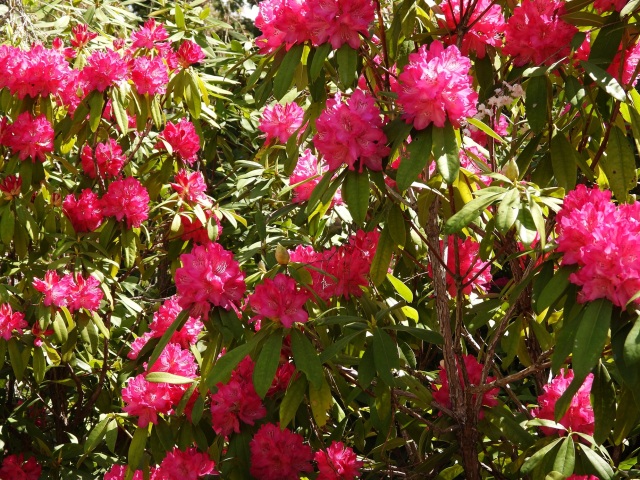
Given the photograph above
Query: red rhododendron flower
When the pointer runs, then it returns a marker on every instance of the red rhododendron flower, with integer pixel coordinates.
(188, 465)
(441, 394)
(10, 321)
(436, 86)
(29, 137)
(103, 69)
(605, 5)
(281, 121)
(209, 276)
(191, 187)
(339, 22)
(85, 212)
(282, 22)
(84, 293)
(128, 199)
(579, 417)
(351, 133)
(280, 299)
(14, 467)
(536, 33)
(81, 35)
(193, 229)
(189, 53)
(55, 291)
(149, 35)
(118, 472)
(623, 66)
(283, 377)
(182, 139)
(337, 463)
(307, 168)
(486, 24)
(11, 186)
(108, 157)
(279, 454)
(150, 75)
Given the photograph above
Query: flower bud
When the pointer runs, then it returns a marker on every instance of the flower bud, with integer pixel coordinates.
(282, 255)
(511, 170)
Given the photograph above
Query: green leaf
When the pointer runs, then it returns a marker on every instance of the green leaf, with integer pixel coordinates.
(320, 55)
(563, 161)
(404, 291)
(619, 164)
(164, 340)
(111, 435)
(292, 400)
(96, 435)
(591, 336)
(347, 64)
(7, 226)
(366, 368)
(420, 333)
(382, 257)
(355, 192)
(605, 81)
(485, 128)
(600, 467)
(137, 447)
(267, 364)
(179, 16)
(339, 345)
(470, 212)
(286, 71)
(629, 8)
(626, 416)
(221, 371)
(385, 355)
(631, 356)
(165, 377)
(566, 457)
(305, 357)
(508, 210)
(129, 247)
(15, 356)
(96, 104)
(419, 155)
(446, 152)
(397, 229)
(553, 289)
(39, 365)
(320, 400)
(603, 399)
(536, 103)
(537, 457)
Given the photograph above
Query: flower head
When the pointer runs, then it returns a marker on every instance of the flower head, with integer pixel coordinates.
(10, 321)
(279, 299)
(281, 121)
(81, 35)
(338, 462)
(108, 157)
(279, 454)
(150, 75)
(103, 69)
(149, 35)
(183, 140)
(84, 212)
(126, 199)
(14, 467)
(185, 465)
(29, 137)
(189, 53)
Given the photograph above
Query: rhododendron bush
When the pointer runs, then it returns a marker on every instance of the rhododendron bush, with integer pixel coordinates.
(368, 239)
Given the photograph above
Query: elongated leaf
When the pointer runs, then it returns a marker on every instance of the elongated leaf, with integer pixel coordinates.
(321, 401)
(566, 457)
(320, 55)
(419, 155)
(385, 355)
(404, 291)
(16, 359)
(508, 210)
(600, 467)
(627, 415)
(485, 128)
(355, 192)
(619, 164)
(604, 404)
(286, 71)
(446, 152)
(7, 226)
(397, 228)
(605, 81)
(536, 103)
(267, 364)
(553, 289)
(137, 447)
(421, 333)
(382, 257)
(305, 356)
(591, 336)
(39, 365)
(165, 377)
(164, 340)
(470, 212)
(347, 64)
(537, 457)
(563, 161)
(96, 435)
(339, 345)
(221, 371)
(96, 104)
(292, 400)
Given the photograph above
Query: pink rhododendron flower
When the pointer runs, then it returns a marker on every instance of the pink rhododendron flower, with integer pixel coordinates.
(605, 5)
(103, 69)
(189, 53)
(474, 374)
(209, 276)
(29, 137)
(623, 66)
(486, 24)
(579, 417)
(279, 454)
(14, 467)
(126, 199)
(118, 472)
(83, 292)
(188, 465)
(193, 229)
(338, 22)
(306, 168)
(283, 377)
(279, 299)
(81, 35)
(338, 462)
(281, 121)
(471, 164)
(150, 75)
(85, 212)
(481, 138)
(351, 133)
(191, 187)
(10, 321)
(536, 33)
(11, 186)
(149, 35)
(55, 292)
(282, 22)
(108, 157)
(183, 140)
(436, 86)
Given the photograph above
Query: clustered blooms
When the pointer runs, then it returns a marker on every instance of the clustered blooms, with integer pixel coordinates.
(29, 137)
(281, 121)
(308, 167)
(279, 454)
(536, 33)
(126, 199)
(14, 467)
(146, 399)
(84, 212)
(10, 321)
(81, 35)
(623, 66)
(150, 75)
(162, 320)
(319, 21)
(108, 158)
(339, 271)
(436, 86)
(338, 462)
(604, 5)
(103, 69)
(209, 276)
(72, 291)
(177, 465)
(181, 139)
(351, 133)
(280, 300)
(486, 20)
(236, 401)
(441, 393)
(579, 417)
(11, 186)
(191, 187)
(189, 53)
(603, 240)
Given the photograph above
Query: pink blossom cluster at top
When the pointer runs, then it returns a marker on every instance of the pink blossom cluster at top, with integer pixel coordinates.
(280, 300)
(486, 21)
(292, 22)
(279, 122)
(162, 320)
(337, 463)
(146, 399)
(182, 139)
(579, 417)
(279, 454)
(441, 389)
(236, 401)
(209, 276)
(436, 86)
(536, 33)
(351, 133)
(72, 291)
(339, 271)
(14, 467)
(10, 321)
(605, 5)
(28, 137)
(604, 241)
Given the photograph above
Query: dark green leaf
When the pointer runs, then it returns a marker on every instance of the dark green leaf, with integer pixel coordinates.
(603, 395)
(566, 457)
(382, 257)
(292, 400)
(305, 357)
(508, 210)
(347, 64)
(355, 192)
(419, 155)
(470, 212)
(267, 364)
(385, 354)
(563, 161)
(619, 164)
(319, 57)
(137, 447)
(538, 456)
(536, 103)
(221, 371)
(605, 81)
(553, 289)
(446, 152)
(286, 71)
(591, 337)
(598, 465)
